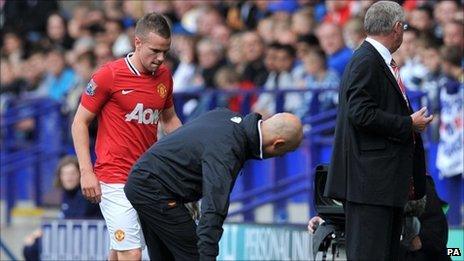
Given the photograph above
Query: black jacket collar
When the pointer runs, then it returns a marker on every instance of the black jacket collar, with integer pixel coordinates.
(250, 126)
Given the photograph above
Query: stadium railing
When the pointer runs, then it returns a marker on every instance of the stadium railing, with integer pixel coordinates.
(274, 181)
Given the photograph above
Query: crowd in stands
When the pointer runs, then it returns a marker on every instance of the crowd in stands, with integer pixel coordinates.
(50, 49)
(221, 45)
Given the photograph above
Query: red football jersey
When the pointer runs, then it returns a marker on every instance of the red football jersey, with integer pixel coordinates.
(128, 105)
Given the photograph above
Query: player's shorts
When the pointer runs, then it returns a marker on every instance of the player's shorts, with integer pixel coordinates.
(121, 218)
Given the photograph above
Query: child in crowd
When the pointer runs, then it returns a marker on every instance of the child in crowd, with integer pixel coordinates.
(73, 203)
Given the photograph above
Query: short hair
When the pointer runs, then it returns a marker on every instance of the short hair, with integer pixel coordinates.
(155, 23)
(320, 54)
(227, 75)
(289, 49)
(414, 31)
(426, 9)
(382, 16)
(451, 54)
(309, 39)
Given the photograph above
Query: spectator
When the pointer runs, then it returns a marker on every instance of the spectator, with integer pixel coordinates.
(185, 75)
(209, 18)
(280, 64)
(77, 21)
(413, 71)
(453, 34)
(12, 49)
(57, 35)
(338, 12)
(304, 44)
(221, 34)
(117, 38)
(59, 79)
(35, 74)
(228, 79)
(319, 77)
(73, 203)
(421, 18)
(103, 53)
(210, 59)
(430, 57)
(253, 48)
(331, 38)
(36, 13)
(283, 33)
(266, 30)
(353, 33)
(444, 12)
(10, 85)
(236, 53)
(450, 148)
(84, 67)
(303, 22)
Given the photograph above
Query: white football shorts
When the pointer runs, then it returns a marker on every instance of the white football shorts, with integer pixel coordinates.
(121, 218)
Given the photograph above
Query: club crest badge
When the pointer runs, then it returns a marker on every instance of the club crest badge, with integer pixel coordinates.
(119, 235)
(236, 119)
(162, 90)
(91, 87)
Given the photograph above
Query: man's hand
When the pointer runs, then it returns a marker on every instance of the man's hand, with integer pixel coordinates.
(314, 223)
(420, 120)
(90, 186)
(416, 244)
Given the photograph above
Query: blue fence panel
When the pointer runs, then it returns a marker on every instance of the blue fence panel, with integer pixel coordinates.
(276, 181)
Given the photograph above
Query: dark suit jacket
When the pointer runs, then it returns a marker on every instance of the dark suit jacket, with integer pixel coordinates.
(374, 154)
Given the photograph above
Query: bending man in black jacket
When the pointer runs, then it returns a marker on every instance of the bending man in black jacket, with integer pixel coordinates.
(201, 160)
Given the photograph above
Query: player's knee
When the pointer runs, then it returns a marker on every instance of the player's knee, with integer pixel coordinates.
(133, 254)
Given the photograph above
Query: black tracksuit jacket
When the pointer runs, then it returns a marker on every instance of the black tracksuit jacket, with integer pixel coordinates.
(202, 160)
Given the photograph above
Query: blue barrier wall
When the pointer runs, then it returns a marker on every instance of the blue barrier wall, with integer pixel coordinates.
(27, 166)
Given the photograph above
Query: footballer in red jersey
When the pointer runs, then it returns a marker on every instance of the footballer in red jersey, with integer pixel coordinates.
(129, 97)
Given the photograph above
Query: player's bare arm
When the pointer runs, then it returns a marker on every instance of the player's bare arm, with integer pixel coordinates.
(170, 120)
(80, 133)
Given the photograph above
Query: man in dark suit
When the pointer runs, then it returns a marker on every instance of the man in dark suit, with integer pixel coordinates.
(201, 160)
(378, 150)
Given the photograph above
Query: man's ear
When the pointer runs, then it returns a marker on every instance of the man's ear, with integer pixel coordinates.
(137, 41)
(278, 144)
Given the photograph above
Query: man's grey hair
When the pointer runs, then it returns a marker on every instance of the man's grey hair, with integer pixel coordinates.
(382, 16)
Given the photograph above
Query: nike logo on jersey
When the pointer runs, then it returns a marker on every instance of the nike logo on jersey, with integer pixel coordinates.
(124, 92)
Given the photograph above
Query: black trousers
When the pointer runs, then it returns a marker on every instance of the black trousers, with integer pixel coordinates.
(372, 232)
(168, 228)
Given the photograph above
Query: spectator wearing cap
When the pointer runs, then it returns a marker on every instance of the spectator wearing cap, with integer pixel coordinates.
(331, 39)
